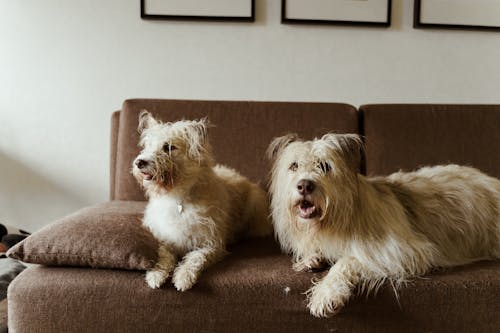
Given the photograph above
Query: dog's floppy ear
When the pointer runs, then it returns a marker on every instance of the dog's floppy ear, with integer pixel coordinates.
(201, 129)
(278, 144)
(350, 145)
(197, 135)
(146, 120)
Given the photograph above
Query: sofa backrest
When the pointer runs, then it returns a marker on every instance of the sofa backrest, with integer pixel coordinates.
(408, 136)
(240, 137)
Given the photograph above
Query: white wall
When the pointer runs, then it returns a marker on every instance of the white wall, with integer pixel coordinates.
(66, 65)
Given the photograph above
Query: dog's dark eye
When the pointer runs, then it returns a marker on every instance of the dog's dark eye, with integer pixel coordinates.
(293, 166)
(324, 166)
(167, 147)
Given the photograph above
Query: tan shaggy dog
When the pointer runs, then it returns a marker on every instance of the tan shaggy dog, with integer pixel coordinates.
(373, 230)
(195, 207)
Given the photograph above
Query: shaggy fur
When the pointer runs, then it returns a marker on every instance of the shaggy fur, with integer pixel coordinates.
(195, 207)
(380, 229)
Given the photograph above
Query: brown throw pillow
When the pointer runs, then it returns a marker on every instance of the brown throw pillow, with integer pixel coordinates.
(108, 235)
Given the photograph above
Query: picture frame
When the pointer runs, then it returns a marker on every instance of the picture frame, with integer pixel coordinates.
(470, 15)
(199, 10)
(337, 12)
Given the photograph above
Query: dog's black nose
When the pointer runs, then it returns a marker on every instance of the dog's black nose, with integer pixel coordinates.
(141, 163)
(305, 186)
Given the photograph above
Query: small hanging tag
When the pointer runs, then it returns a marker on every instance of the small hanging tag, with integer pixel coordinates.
(180, 208)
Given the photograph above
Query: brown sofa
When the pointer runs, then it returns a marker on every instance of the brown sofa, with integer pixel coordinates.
(254, 289)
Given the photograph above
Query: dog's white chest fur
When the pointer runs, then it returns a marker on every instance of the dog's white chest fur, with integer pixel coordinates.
(175, 222)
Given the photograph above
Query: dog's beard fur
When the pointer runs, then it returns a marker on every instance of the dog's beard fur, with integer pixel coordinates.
(195, 207)
(167, 172)
(376, 229)
(160, 174)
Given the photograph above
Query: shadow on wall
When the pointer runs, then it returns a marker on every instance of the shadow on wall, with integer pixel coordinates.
(30, 201)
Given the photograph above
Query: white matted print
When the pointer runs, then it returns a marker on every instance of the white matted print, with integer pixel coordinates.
(337, 11)
(458, 13)
(203, 9)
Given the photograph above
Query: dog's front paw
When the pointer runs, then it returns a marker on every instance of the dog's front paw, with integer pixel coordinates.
(156, 278)
(299, 266)
(324, 301)
(183, 278)
(312, 264)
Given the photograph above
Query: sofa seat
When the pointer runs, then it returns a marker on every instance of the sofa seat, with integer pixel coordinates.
(254, 289)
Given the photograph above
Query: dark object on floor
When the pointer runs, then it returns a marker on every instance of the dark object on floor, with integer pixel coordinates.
(12, 239)
(3, 230)
(9, 237)
(9, 269)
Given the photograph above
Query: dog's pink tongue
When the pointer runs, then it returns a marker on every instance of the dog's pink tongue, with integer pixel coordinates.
(147, 176)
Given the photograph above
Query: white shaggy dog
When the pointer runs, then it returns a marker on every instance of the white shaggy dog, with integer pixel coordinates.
(194, 207)
(375, 229)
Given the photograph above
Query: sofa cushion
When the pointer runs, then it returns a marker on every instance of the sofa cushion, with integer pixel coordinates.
(406, 137)
(108, 235)
(241, 134)
(252, 290)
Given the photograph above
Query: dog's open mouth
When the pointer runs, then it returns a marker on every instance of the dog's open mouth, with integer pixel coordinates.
(147, 176)
(306, 209)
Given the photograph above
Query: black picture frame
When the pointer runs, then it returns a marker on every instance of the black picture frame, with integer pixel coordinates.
(385, 24)
(250, 18)
(418, 24)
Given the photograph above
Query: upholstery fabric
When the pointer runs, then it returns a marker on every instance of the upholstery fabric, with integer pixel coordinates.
(240, 135)
(404, 136)
(108, 235)
(252, 290)
(115, 124)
